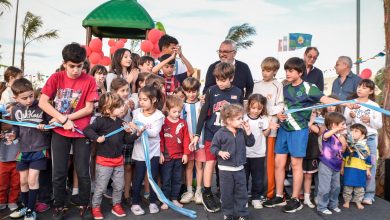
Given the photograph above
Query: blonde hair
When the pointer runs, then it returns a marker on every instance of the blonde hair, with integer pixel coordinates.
(173, 101)
(108, 102)
(270, 64)
(229, 111)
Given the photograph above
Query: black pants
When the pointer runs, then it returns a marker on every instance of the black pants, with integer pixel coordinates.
(139, 175)
(172, 177)
(234, 194)
(45, 184)
(60, 146)
(255, 167)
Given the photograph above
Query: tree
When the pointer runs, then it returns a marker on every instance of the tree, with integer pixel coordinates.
(4, 4)
(30, 27)
(240, 33)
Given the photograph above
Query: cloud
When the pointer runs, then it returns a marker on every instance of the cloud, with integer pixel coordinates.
(36, 54)
(321, 4)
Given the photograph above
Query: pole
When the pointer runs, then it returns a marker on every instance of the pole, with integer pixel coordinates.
(357, 36)
(16, 24)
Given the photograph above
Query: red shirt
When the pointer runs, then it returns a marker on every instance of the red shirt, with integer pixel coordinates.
(70, 95)
(109, 162)
(175, 139)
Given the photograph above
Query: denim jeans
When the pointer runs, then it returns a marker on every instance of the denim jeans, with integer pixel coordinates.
(372, 142)
(172, 177)
(328, 188)
(139, 175)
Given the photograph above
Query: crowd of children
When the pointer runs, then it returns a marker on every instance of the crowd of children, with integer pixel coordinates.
(190, 136)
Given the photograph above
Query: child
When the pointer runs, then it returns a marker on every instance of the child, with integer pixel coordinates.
(157, 82)
(191, 111)
(109, 159)
(174, 150)
(33, 145)
(293, 133)
(99, 72)
(270, 88)
(210, 117)
(167, 66)
(73, 94)
(356, 166)
(10, 75)
(146, 64)
(372, 120)
(180, 93)
(153, 119)
(229, 145)
(121, 66)
(330, 163)
(255, 156)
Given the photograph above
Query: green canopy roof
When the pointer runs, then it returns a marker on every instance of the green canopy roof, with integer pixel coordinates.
(119, 19)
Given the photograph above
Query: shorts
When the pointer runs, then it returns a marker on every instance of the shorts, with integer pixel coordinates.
(292, 142)
(198, 155)
(36, 160)
(209, 156)
(127, 153)
(310, 165)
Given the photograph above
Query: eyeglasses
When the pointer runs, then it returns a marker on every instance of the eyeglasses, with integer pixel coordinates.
(225, 51)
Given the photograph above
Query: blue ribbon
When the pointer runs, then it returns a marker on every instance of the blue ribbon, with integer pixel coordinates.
(153, 184)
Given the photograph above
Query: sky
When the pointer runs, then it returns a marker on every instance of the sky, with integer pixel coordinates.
(201, 25)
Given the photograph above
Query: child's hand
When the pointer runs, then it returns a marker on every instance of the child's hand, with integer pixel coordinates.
(127, 127)
(193, 143)
(140, 131)
(184, 160)
(161, 158)
(365, 119)
(101, 139)
(178, 51)
(224, 155)
(41, 127)
(273, 125)
(281, 116)
(342, 171)
(131, 104)
(202, 99)
(352, 114)
(368, 173)
(245, 125)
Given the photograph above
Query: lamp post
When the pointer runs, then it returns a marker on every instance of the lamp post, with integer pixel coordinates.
(16, 24)
(357, 36)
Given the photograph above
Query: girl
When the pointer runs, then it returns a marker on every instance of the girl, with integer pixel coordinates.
(153, 119)
(372, 120)
(121, 66)
(109, 158)
(174, 149)
(255, 156)
(10, 75)
(99, 72)
(139, 84)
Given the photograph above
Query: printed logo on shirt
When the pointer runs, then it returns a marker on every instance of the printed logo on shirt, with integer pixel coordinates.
(360, 113)
(299, 94)
(66, 100)
(28, 115)
(233, 97)
(215, 95)
(219, 105)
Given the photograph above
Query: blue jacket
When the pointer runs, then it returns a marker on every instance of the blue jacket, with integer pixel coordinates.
(224, 140)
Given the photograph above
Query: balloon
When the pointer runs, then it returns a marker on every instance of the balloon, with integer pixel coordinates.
(154, 35)
(146, 46)
(366, 73)
(120, 44)
(113, 49)
(94, 58)
(96, 45)
(123, 40)
(87, 50)
(155, 55)
(156, 48)
(105, 61)
(111, 42)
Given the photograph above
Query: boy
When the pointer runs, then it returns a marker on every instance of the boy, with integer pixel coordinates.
(293, 133)
(272, 89)
(33, 145)
(73, 93)
(146, 64)
(210, 117)
(167, 66)
(192, 107)
(229, 144)
(169, 45)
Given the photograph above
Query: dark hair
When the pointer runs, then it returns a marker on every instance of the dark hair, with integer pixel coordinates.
(108, 102)
(230, 111)
(116, 61)
(11, 71)
(172, 101)
(224, 70)
(135, 57)
(153, 93)
(74, 53)
(155, 80)
(142, 76)
(178, 89)
(86, 66)
(359, 127)
(191, 84)
(166, 56)
(21, 85)
(308, 49)
(333, 118)
(118, 83)
(257, 98)
(145, 59)
(339, 109)
(98, 69)
(295, 63)
(369, 84)
(37, 93)
(167, 40)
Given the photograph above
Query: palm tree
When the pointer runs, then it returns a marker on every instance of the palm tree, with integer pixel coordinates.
(4, 4)
(240, 33)
(30, 26)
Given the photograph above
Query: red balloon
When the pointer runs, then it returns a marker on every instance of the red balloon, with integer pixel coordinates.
(366, 73)
(94, 58)
(105, 61)
(155, 55)
(120, 44)
(87, 50)
(154, 35)
(156, 48)
(111, 42)
(146, 46)
(96, 45)
(123, 40)
(113, 49)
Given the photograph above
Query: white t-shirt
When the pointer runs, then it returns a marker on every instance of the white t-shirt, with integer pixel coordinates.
(153, 125)
(257, 127)
(7, 96)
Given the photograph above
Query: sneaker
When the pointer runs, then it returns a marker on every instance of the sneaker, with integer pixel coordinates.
(177, 203)
(309, 204)
(30, 215)
(18, 213)
(187, 197)
(367, 202)
(75, 200)
(59, 213)
(118, 210)
(164, 206)
(108, 193)
(97, 213)
(84, 212)
(257, 204)
(293, 205)
(337, 209)
(3, 206)
(41, 207)
(209, 203)
(198, 198)
(276, 201)
(137, 210)
(243, 218)
(153, 208)
(326, 212)
(228, 217)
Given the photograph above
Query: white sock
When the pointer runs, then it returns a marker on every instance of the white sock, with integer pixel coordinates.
(75, 191)
(198, 189)
(281, 196)
(307, 196)
(189, 189)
